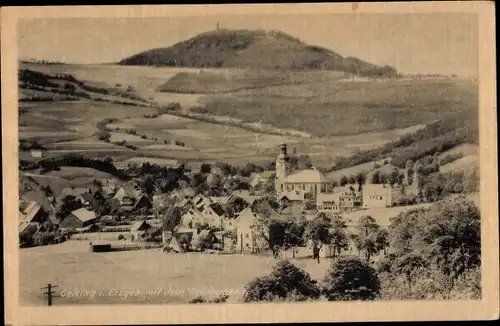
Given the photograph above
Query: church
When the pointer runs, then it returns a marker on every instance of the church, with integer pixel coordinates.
(310, 181)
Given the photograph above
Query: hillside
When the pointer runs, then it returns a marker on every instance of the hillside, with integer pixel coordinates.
(253, 49)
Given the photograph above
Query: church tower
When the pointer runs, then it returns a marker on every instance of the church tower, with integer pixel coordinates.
(282, 169)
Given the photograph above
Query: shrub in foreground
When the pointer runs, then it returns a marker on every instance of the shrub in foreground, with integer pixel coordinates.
(351, 279)
(286, 282)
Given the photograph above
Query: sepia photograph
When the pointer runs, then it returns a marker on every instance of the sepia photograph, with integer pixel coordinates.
(198, 159)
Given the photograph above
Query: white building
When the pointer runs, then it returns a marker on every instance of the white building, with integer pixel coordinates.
(311, 181)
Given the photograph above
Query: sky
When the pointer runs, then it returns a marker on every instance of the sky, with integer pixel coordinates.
(442, 43)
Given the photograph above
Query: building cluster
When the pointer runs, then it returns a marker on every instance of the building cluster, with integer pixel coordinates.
(234, 221)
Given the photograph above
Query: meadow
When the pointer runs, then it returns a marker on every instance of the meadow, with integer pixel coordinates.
(332, 108)
(73, 268)
(245, 114)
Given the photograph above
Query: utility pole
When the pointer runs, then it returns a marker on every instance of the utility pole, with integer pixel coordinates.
(49, 293)
(217, 25)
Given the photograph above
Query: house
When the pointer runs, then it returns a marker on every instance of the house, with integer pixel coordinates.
(79, 218)
(139, 228)
(201, 200)
(191, 218)
(328, 203)
(38, 152)
(142, 202)
(249, 232)
(222, 200)
(35, 149)
(377, 195)
(311, 181)
(172, 245)
(213, 215)
(33, 213)
(127, 194)
(41, 198)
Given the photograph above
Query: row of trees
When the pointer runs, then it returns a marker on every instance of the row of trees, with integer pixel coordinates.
(436, 137)
(286, 282)
(431, 254)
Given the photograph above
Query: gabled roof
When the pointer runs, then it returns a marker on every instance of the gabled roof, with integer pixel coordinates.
(294, 195)
(221, 200)
(217, 208)
(39, 197)
(84, 215)
(30, 212)
(307, 176)
(137, 226)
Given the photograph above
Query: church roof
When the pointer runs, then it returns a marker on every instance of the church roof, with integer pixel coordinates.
(306, 176)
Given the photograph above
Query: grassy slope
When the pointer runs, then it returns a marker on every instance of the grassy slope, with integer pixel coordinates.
(342, 108)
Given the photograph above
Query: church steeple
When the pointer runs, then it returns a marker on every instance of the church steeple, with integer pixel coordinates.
(281, 169)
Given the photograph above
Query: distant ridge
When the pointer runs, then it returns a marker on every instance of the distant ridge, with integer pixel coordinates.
(256, 49)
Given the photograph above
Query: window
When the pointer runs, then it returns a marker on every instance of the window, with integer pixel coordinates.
(246, 236)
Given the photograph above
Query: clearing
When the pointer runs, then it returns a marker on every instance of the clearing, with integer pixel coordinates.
(177, 276)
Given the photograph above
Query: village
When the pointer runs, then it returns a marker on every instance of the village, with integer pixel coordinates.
(139, 214)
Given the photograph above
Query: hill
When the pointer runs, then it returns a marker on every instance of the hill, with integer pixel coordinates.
(254, 49)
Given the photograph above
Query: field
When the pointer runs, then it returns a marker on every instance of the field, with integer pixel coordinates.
(247, 114)
(177, 276)
(352, 107)
(465, 163)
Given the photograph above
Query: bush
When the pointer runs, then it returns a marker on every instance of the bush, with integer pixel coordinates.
(198, 299)
(121, 237)
(286, 281)
(351, 279)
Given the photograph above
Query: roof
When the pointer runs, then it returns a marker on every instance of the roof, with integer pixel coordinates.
(137, 225)
(221, 200)
(84, 215)
(295, 195)
(307, 176)
(30, 211)
(245, 195)
(38, 196)
(186, 230)
(217, 208)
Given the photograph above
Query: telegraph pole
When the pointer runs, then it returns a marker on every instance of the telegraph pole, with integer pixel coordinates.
(49, 293)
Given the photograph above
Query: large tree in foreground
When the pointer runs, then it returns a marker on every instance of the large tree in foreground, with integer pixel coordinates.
(351, 279)
(286, 282)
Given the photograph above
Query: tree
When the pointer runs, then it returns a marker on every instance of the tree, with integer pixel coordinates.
(409, 265)
(104, 135)
(198, 179)
(235, 206)
(343, 181)
(69, 204)
(148, 185)
(338, 236)
(375, 177)
(318, 232)
(205, 168)
(450, 234)
(286, 281)
(203, 240)
(294, 233)
(366, 236)
(360, 179)
(213, 180)
(351, 279)
(172, 218)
